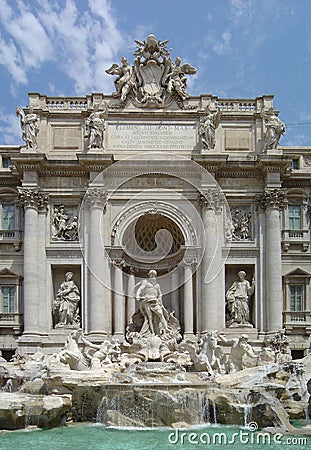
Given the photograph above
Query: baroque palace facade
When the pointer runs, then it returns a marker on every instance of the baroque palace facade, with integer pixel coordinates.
(109, 187)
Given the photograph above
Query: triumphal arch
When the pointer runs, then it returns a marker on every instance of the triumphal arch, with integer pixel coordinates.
(195, 189)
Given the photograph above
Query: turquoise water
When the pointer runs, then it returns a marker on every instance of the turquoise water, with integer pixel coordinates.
(97, 437)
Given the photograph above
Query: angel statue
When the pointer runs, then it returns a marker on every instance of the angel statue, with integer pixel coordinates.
(30, 127)
(124, 81)
(177, 81)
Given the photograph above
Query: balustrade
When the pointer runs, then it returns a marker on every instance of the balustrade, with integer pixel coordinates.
(300, 237)
(297, 317)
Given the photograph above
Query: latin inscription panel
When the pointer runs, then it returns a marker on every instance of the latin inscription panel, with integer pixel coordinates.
(152, 136)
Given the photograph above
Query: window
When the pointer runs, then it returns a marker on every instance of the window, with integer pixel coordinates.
(6, 162)
(8, 217)
(294, 217)
(8, 299)
(296, 297)
(295, 164)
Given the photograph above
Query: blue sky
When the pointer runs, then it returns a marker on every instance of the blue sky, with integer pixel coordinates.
(241, 48)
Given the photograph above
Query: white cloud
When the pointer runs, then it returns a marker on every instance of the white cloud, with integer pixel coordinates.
(26, 45)
(240, 10)
(11, 59)
(10, 129)
(223, 46)
(82, 44)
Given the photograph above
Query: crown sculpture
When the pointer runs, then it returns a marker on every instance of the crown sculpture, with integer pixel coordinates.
(154, 80)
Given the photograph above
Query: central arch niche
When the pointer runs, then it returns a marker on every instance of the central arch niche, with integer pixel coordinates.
(166, 236)
(153, 241)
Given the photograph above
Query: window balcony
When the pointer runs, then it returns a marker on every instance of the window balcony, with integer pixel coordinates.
(296, 239)
(12, 321)
(297, 319)
(13, 237)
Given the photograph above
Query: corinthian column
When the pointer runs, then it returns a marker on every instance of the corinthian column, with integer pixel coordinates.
(130, 294)
(212, 274)
(272, 201)
(32, 200)
(99, 292)
(119, 299)
(188, 299)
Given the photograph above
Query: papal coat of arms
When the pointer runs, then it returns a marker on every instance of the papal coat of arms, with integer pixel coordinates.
(153, 79)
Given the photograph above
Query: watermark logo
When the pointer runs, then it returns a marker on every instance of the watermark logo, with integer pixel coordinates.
(245, 436)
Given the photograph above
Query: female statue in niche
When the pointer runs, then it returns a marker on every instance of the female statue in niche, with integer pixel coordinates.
(66, 304)
(237, 301)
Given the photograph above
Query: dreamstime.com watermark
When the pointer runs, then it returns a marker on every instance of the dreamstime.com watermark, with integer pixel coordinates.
(248, 435)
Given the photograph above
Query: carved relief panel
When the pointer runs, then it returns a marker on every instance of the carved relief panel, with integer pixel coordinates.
(64, 223)
(239, 227)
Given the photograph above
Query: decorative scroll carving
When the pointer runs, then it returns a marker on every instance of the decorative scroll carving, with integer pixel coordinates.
(274, 129)
(272, 198)
(64, 227)
(96, 197)
(29, 123)
(212, 199)
(33, 198)
(95, 127)
(153, 79)
(207, 128)
(239, 228)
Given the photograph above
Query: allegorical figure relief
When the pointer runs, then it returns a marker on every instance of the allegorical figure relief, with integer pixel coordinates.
(63, 227)
(207, 129)
(30, 126)
(237, 302)
(66, 303)
(274, 129)
(241, 224)
(95, 127)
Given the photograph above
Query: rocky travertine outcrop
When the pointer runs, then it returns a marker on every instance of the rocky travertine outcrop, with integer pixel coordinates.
(19, 410)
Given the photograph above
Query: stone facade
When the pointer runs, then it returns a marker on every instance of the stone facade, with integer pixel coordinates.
(108, 187)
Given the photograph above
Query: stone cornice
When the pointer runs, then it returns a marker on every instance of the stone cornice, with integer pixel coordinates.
(211, 162)
(29, 162)
(239, 172)
(79, 167)
(94, 162)
(273, 163)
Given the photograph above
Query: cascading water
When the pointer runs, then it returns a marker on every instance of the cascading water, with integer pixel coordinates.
(214, 410)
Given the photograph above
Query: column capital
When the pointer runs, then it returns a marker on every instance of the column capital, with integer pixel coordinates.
(96, 198)
(33, 198)
(120, 263)
(130, 270)
(272, 199)
(189, 262)
(212, 199)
